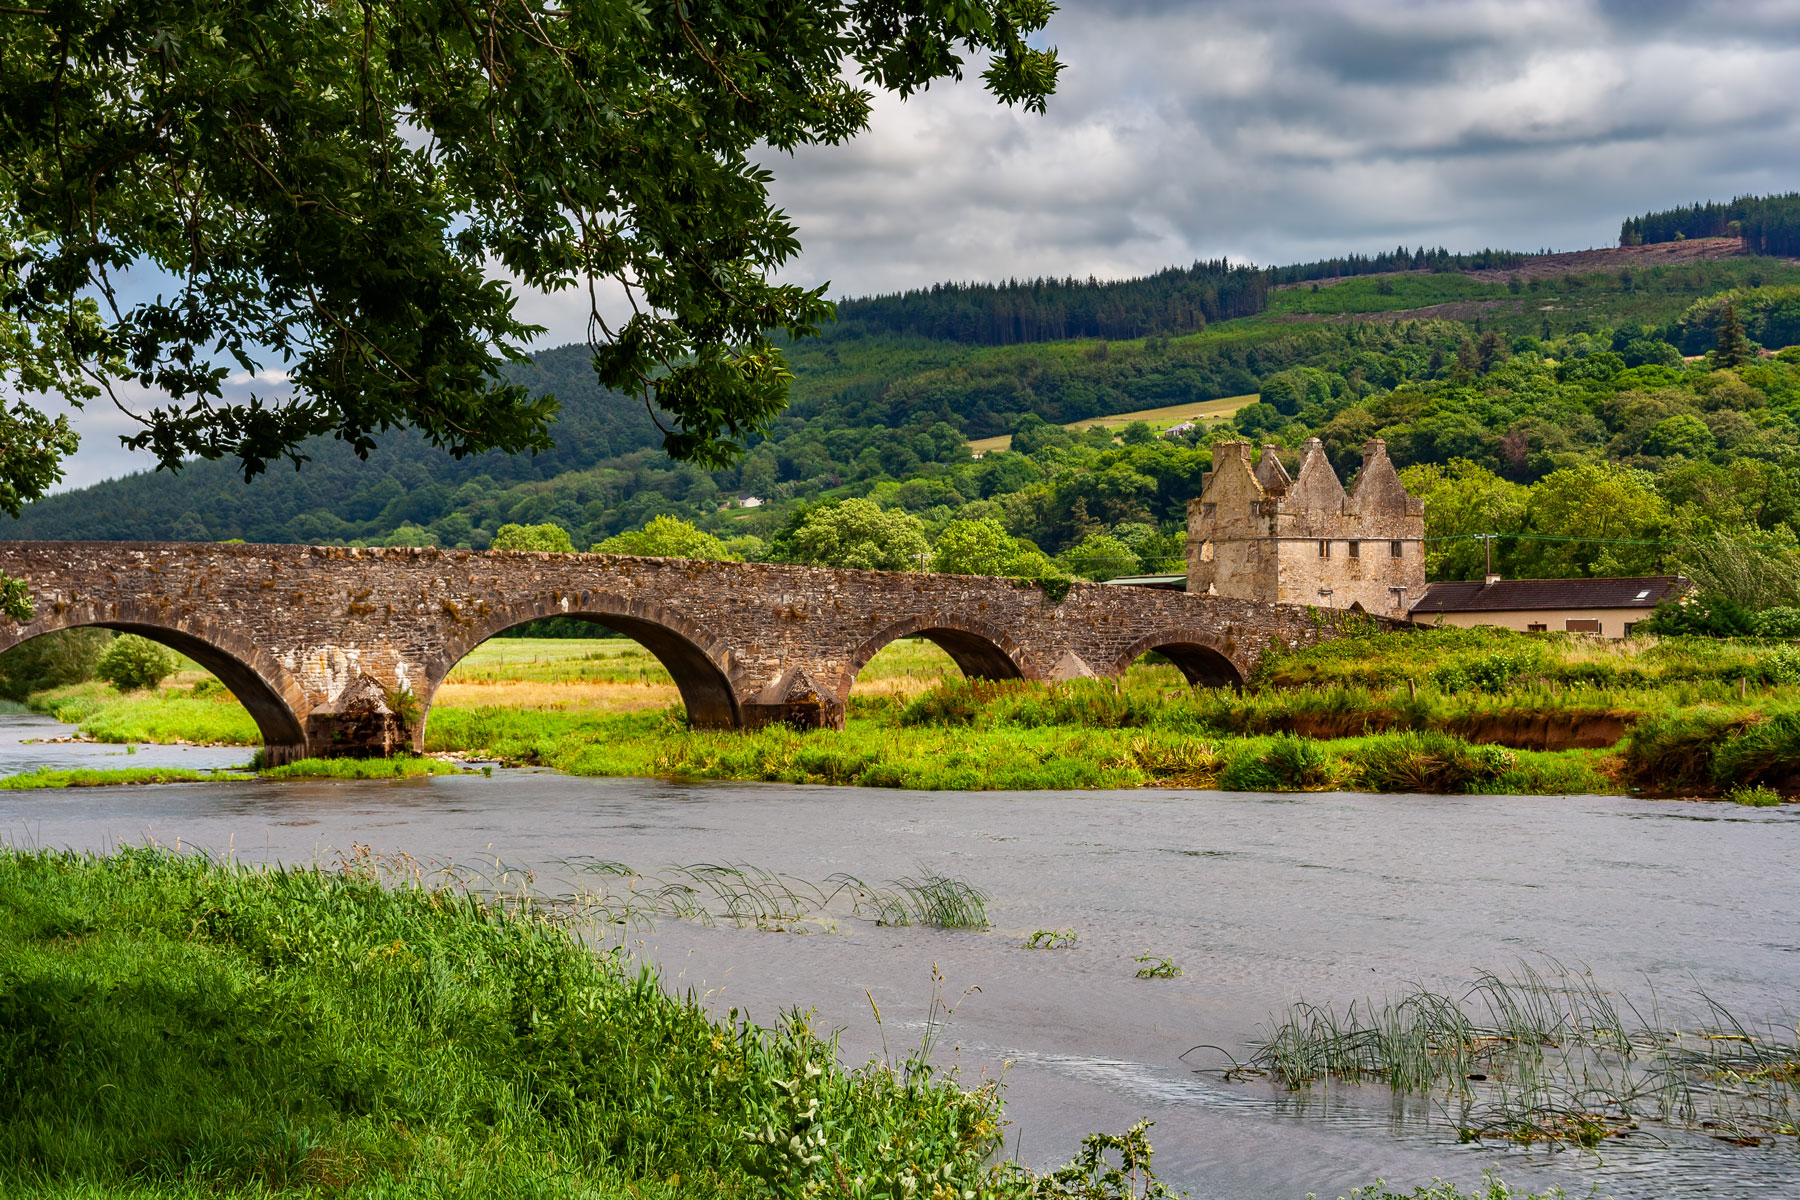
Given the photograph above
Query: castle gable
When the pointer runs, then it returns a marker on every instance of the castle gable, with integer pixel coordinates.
(1316, 489)
(1271, 474)
(1378, 492)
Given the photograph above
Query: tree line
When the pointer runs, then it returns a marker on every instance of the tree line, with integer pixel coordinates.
(1174, 301)
(1767, 224)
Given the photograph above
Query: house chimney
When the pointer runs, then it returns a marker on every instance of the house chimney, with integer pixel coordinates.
(1489, 580)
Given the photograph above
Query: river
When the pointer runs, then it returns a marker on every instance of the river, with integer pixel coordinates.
(1260, 899)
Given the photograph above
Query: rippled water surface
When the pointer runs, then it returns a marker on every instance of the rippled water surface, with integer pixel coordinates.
(1261, 900)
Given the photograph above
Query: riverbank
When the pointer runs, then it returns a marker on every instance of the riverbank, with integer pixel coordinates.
(355, 1031)
(1447, 710)
(316, 1032)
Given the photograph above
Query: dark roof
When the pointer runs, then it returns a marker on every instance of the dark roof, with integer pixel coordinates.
(1515, 595)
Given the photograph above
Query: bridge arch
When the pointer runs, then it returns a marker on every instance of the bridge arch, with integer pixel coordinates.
(1203, 658)
(699, 662)
(265, 688)
(981, 650)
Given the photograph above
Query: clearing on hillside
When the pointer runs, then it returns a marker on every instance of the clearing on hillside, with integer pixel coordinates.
(1157, 418)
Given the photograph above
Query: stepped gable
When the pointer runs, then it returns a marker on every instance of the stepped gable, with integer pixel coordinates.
(1271, 474)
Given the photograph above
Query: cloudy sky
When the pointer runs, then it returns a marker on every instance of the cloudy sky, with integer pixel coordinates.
(1280, 130)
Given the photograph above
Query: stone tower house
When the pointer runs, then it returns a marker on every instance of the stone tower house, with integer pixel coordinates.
(1255, 533)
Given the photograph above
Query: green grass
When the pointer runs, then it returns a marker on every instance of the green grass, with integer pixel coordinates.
(175, 1027)
(162, 715)
(306, 768)
(93, 777)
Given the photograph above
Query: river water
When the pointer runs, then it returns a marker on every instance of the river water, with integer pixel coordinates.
(1261, 900)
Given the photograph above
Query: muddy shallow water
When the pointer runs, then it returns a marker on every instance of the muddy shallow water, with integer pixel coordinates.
(1262, 900)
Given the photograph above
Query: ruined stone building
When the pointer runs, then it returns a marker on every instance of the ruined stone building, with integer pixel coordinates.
(1255, 533)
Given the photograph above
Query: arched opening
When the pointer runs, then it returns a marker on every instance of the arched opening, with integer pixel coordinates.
(1201, 660)
(604, 659)
(256, 682)
(973, 649)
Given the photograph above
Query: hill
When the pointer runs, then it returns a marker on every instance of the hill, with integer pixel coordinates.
(1521, 365)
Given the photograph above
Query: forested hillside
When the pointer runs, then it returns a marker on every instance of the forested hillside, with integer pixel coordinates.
(1531, 399)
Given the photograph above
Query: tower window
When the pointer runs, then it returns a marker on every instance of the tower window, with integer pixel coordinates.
(1355, 549)
(1395, 549)
(1324, 548)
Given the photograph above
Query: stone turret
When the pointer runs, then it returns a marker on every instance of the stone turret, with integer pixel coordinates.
(1255, 533)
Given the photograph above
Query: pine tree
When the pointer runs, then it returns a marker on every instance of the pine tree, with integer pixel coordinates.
(1732, 349)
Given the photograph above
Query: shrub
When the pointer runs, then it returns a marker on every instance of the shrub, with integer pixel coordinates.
(1754, 797)
(133, 662)
(1776, 623)
(549, 537)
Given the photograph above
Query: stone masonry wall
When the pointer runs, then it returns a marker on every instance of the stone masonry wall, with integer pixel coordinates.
(290, 629)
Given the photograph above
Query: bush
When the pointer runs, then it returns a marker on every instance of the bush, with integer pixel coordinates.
(132, 662)
(1754, 797)
(548, 537)
(1777, 623)
(51, 661)
(1703, 615)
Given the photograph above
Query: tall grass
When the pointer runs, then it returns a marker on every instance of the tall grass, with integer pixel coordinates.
(755, 897)
(179, 1027)
(1548, 1056)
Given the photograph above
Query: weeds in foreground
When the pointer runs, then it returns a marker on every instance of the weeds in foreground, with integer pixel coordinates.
(1050, 939)
(1152, 966)
(1548, 1057)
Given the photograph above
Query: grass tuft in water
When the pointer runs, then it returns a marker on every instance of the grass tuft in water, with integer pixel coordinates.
(1154, 966)
(1548, 1057)
(1051, 939)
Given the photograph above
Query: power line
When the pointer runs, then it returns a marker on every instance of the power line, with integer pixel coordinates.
(1557, 537)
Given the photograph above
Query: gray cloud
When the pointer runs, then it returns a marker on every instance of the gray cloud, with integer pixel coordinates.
(1281, 130)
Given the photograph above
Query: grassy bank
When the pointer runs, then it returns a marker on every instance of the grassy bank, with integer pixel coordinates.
(877, 751)
(181, 1028)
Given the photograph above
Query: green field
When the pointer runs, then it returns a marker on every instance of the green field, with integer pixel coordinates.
(1157, 418)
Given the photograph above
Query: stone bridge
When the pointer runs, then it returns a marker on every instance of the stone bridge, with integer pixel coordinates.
(318, 641)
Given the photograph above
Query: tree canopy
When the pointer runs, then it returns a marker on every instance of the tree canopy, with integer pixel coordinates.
(190, 190)
(667, 537)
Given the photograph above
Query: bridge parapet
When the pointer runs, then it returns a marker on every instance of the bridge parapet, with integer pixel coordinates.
(299, 633)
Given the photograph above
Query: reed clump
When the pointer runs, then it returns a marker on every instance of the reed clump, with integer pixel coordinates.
(1547, 1056)
(749, 896)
